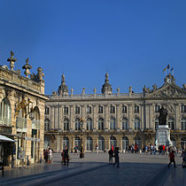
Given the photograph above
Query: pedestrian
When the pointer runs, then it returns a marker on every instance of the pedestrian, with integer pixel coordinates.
(172, 158)
(110, 152)
(50, 155)
(46, 155)
(116, 155)
(66, 156)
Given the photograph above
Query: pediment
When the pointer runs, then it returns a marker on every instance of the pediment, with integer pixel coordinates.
(168, 91)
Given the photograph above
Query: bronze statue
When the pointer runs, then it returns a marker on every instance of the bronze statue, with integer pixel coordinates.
(163, 116)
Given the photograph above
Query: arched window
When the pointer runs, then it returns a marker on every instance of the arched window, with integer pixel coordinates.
(171, 123)
(89, 124)
(66, 124)
(65, 142)
(36, 120)
(125, 143)
(100, 124)
(5, 112)
(113, 142)
(124, 109)
(136, 124)
(77, 124)
(183, 124)
(89, 144)
(101, 143)
(136, 109)
(47, 124)
(124, 124)
(112, 123)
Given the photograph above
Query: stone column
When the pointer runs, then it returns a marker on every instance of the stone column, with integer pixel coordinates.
(106, 119)
(118, 117)
(83, 115)
(60, 116)
(147, 115)
(150, 116)
(52, 118)
(130, 124)
(95, 122)
(177, 117)
(72, 118)
(56, 117)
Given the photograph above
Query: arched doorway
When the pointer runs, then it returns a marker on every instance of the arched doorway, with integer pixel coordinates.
(113, 142)
(89, 144)
(78, 142)
(138, 142)
(125, 143)
(101, 143)
(65, 142)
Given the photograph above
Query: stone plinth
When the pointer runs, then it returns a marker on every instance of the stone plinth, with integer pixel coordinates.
(163, 136)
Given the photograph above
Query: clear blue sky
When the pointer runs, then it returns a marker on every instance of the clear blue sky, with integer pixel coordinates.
(132, 40)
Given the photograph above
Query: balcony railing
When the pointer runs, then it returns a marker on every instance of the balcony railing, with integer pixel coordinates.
(36, 124)
(21, 123)
(5, 121)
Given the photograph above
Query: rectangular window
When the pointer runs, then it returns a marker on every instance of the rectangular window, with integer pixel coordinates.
(100, 110)
(65, 110)
(112, 109)
(77, 110)
(46, 110)
(183, 108)
(89, 110)
(124, 109)
(136, 109)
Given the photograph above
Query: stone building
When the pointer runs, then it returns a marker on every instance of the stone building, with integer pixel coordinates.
(119, 119)
(22, 106)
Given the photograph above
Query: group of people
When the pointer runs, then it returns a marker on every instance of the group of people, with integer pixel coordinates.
(47, 155)
(114, 153)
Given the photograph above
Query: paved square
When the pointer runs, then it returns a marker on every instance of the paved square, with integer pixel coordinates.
(135, 169)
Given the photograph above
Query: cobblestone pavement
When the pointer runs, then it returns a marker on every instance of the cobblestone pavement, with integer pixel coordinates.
(135, 169)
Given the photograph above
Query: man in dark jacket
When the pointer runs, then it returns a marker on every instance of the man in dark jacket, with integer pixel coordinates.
(116, 155)
(110, 152)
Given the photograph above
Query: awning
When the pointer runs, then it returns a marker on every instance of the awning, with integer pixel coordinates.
(5, 139)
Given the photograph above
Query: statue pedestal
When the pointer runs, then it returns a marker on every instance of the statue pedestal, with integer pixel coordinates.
(163, 136)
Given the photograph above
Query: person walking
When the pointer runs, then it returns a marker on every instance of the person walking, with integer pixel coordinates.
(50, 155)
(172, 158)
(66, 156)
(110, 152)
(116, 155)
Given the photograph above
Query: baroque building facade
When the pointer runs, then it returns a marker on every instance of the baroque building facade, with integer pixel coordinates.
(119, 119)
(22, 106)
